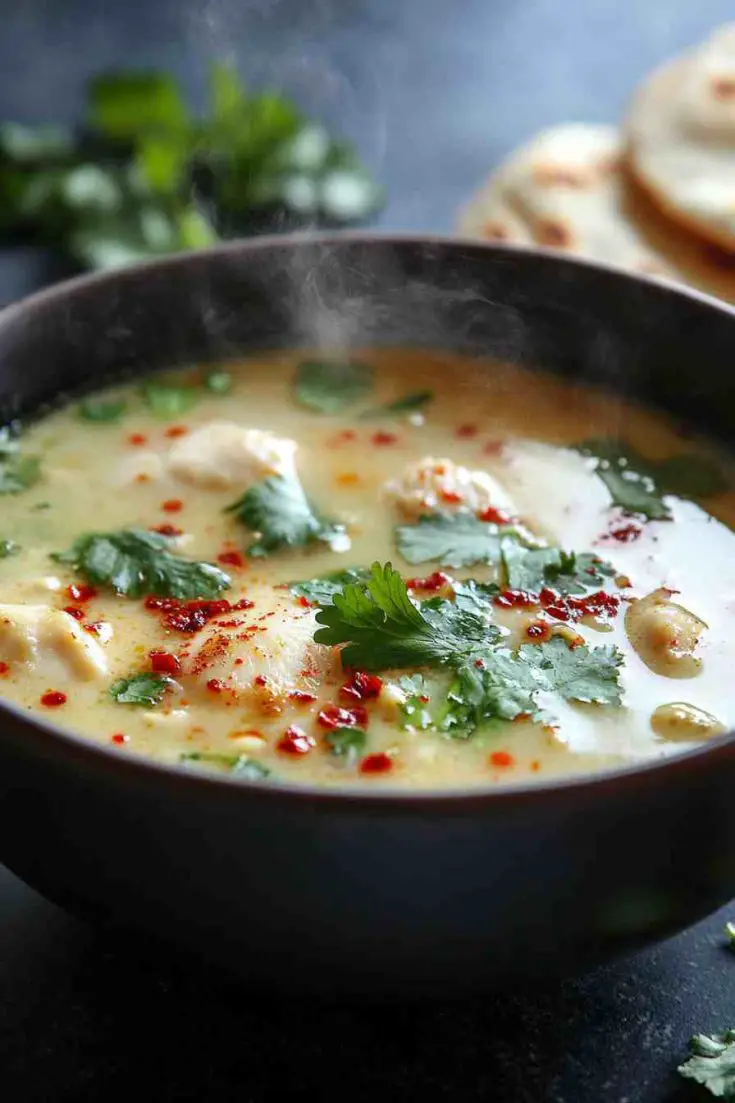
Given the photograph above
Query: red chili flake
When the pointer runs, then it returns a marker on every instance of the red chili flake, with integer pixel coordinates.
(53, 698)
(495, 516)
(118, 737)
(141, 477)
(345, 437)
(362, 686)
(467, 431)
(304, 602)
(599, 604)
(624, 534)
(480, 664)
(78, 591)
(176, 431)
(167, 530)
(214, 685)
(376, 764)
(535, 765)
(172, 505)
(382, 437)
(436, 581)
(547, 596)
(137, 439)
(260, 680)
(231, 558)
(451, 497)
(515, 599)
(163, 662)
(4, 668)
(493, 448)
(301, 697)
(332, 716)
(539, 631)
(75, 611)
(502, 758)
(296, 741)
(94, 627)
(190, 616)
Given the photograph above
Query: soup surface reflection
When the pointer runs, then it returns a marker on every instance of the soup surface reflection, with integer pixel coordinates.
(197, 569)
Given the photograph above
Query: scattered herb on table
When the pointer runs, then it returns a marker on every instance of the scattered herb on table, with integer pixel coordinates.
(408, 404)
(136, 562)
(329, 386)
(730, 932)
(712, 1063)
(146, 177)
(279, 512)
(140, 689)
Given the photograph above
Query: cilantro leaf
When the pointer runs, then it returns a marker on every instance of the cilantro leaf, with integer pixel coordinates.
(140, 689)
(576, 673)
(408, 404)
(566, 572)
(730, 932)
(347, 743)
(240, 764)
(8, 548)
(638, 485)
(415, 704)
(101, 409)
(454, 539)
(17, 472)
(383, 628)
(168, 401)
(475, 597)
(282, 516)
(135, 562)
(712, 1063)
(320, 591)
(218, 381)
(328, 386)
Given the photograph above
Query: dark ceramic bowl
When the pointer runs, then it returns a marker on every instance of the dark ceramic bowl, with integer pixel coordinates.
(373, 892)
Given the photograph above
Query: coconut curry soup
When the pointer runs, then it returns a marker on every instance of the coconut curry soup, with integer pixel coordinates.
(403, 569)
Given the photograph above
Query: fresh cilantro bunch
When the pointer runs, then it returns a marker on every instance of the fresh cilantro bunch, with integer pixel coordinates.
(147, 177)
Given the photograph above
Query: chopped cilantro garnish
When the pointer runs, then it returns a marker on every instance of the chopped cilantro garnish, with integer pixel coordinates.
(102, 409)
(320, 591)
(166, 400)
(348, 743)
(408, 404)
(17, 472)
(279, 511)
(565, 572)
(140, 689)
(639, 485)
(240, 764)
(383, 628)
(220, 382)
(328, 386)
(8, 547)
(415, 704)
(454, 539)
(712, 1063)
(730, 932)
(135, 562)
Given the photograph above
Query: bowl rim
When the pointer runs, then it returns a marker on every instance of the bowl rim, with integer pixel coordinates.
(392, 798)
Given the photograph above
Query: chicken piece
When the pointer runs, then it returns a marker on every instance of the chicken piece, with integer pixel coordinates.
(51, 641)
(433, 484)
(222, 455)
(259, 656)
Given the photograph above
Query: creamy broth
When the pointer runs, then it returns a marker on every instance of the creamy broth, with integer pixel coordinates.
(250, 686)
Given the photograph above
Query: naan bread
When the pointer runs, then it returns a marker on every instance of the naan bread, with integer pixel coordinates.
(680, 136)
(568, 188)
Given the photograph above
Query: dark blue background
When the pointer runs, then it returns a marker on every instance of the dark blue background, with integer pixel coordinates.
(434, 92)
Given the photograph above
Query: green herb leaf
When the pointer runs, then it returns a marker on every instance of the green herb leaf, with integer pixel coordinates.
(240, 764)
(730, 932)
(580, 673)
(408, 404)
(475, 597)
(328, 386)
(168, 401)
(140, 689)
(124, 105)
(455, 539)
(638, 485)
(383, 628)
(220, 382)
(102, 410)
(279, 511)
(135, 562)
(712, 1063)
(566, 572)
(320, 591)
(8, 547)
(17, 472)
(415, 705)
(348, 743)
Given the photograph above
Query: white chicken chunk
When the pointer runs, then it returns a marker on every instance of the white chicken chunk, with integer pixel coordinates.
(434, 484)
(51, 641)
(259, 655)
(222, 455)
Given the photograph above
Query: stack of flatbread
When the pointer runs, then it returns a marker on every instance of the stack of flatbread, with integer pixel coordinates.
(655, 196)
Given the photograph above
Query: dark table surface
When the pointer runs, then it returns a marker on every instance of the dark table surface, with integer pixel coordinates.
(434, 91)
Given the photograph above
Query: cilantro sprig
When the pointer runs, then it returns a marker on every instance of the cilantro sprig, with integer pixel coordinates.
(566, 572)
(712, 1063)
(140, 689)
(320, 591)
(135, 562)
(455, 539)
(278, 511)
